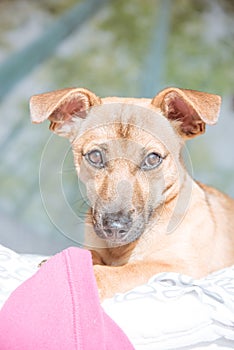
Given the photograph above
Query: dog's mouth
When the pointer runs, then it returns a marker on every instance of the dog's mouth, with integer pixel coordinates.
(119, 232)
(111, 235)
(118, 238)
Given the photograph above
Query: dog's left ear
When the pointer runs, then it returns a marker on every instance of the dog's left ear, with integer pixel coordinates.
(193, 109)
(62, 108)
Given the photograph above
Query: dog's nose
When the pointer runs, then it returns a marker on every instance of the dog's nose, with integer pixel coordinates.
(116, 225)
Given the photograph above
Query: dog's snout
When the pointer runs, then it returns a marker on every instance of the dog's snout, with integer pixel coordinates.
(117, 224)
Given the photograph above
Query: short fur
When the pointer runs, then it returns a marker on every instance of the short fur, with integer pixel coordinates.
(170, 222)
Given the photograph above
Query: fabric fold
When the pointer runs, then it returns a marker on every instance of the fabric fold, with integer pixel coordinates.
(59, 308)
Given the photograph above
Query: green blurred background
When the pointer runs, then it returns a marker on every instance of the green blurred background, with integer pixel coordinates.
(123, 48)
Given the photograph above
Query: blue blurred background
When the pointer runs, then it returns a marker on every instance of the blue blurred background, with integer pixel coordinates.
(123, 48)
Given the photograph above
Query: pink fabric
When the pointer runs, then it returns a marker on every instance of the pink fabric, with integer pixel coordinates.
(58, 308)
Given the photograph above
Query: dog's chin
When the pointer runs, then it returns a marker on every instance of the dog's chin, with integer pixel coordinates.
(119, 239)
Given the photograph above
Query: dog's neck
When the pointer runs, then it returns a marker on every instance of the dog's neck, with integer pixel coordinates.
(173, 228)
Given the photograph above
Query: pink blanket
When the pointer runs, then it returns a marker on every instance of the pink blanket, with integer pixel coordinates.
(59, 308)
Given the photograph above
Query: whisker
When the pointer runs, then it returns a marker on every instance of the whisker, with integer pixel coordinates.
(83, 200)
(81, 205)
(67, 170)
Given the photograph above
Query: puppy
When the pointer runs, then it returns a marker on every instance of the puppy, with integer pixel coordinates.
(147, 215)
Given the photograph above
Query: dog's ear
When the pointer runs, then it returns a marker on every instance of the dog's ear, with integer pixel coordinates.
(62, 108)
(193, 109)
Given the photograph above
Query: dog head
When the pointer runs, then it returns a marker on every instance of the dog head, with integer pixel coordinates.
(127, 151)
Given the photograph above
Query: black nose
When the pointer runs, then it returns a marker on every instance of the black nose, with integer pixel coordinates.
(116, 224)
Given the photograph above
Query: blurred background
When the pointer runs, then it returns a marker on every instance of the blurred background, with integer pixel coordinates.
(115, 47)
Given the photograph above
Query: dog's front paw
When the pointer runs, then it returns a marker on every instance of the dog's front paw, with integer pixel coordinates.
(42, 263)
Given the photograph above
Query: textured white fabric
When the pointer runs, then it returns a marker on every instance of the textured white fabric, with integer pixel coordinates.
(172, 311)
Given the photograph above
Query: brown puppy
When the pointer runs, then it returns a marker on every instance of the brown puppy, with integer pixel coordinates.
(146, 213)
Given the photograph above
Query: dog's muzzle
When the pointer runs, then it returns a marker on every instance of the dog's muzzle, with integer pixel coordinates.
(117, 227)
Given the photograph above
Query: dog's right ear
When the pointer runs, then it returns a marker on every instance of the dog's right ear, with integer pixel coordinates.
(62, 108)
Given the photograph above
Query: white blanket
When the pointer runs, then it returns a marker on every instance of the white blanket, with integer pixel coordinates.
(172, 311)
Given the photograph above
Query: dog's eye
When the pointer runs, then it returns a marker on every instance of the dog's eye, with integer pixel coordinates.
(95, 158)
(153, 160)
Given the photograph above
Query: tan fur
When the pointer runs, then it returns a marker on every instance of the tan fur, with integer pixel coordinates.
(191, 226)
